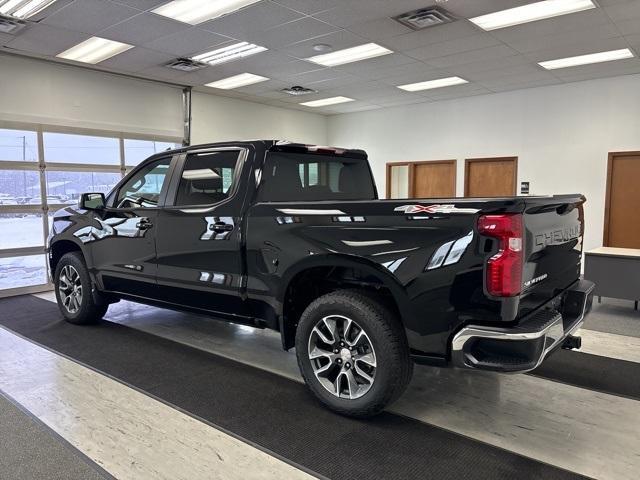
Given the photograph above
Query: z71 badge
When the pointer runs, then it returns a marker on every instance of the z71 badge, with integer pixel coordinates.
(434, 209)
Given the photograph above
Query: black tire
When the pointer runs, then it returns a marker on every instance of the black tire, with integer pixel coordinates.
(89, 311)
(394, 366)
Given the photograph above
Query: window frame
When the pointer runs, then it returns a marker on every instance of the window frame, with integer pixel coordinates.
(172, 194)
(115, 193)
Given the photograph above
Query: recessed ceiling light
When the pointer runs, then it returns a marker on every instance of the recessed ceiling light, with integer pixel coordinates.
(23, 8)
(237, 81)
(94, 50)
(531, 13)
(587, 59)
(198, 11)
(438, 83)
(229, 53)
(348, 55)
(327, 101)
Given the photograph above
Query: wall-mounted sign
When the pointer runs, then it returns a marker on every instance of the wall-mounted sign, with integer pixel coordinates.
(524, 188)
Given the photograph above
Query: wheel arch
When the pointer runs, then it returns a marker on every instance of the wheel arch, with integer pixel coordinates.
(59, 248)
(319, 274)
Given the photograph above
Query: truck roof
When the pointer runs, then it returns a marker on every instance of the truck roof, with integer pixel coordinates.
(280, 146)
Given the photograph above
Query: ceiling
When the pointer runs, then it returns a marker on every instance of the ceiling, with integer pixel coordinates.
(496, 61)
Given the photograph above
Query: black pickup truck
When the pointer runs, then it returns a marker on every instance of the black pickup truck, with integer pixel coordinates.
(293, 238)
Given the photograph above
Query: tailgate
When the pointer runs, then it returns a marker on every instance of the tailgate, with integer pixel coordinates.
(553, 231)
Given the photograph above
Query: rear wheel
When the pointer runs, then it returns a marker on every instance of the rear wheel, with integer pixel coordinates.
(353, 353)
(74, 291)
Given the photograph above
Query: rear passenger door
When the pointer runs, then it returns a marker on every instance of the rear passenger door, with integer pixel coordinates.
(198, 237)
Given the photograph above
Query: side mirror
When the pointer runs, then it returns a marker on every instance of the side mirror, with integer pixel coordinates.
(92, 201)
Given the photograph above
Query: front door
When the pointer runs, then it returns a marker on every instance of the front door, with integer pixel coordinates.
(198, 233)
(123, 235)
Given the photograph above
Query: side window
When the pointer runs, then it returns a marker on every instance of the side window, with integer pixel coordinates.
(291, 177)
(207, 178)
(144, 187)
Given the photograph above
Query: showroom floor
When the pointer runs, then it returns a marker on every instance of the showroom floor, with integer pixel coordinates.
(72, 394)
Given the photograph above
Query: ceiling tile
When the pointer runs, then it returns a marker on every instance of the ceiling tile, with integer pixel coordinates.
(348, 13)
(337, 40)
(249, 23)
(310, 6)
(343, 80)
(293, 32)
(543, 42)
(540, 76)
(46, 40)
(142, 5)
(90, 16)
(137, 59)
(143, 28)
(450, 47)
(285, 71)
(442, 33)
(187, 42)
(482, 54)
(623, 10)
(495, 64)
(379, 29)
(629, 27)
(383, 63)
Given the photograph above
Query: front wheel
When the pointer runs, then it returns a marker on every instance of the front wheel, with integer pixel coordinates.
(353, 353)
(73, 289)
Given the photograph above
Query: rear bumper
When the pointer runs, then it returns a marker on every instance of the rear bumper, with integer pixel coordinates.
(524, 347)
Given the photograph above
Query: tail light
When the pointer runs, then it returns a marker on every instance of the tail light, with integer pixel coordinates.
(504, 269)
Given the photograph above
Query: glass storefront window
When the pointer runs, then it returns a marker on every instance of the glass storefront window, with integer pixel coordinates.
(72, 148)
(19, 187)
(136, 151)
(66, 187)
(21, 230)
(23, 271)
(18, 145)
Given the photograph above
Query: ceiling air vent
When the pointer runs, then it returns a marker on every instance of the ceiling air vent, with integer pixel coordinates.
(187, 65)
(425, 17)
(11, 25)
(298, 90)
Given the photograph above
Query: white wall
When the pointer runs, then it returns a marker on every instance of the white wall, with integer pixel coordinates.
(216, 118)
(560, 134)
(35, 91)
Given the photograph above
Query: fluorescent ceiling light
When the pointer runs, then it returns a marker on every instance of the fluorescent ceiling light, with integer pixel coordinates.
(587, 59)
(531, 13)
(237, 81)
(94, 50)
(327, 101)
(348, 55)
(229, 53)
(198, 11)
(23, 8)
(429, 84)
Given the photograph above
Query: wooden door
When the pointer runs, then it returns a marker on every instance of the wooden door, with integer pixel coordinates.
(429, 179)
(490, 177)
(434, 179)
(622, 212)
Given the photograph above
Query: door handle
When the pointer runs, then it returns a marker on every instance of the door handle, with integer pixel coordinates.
(144, 224)
(221, 227)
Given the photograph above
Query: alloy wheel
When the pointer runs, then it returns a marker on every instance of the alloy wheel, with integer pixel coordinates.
(70, 289)
(342, 357)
